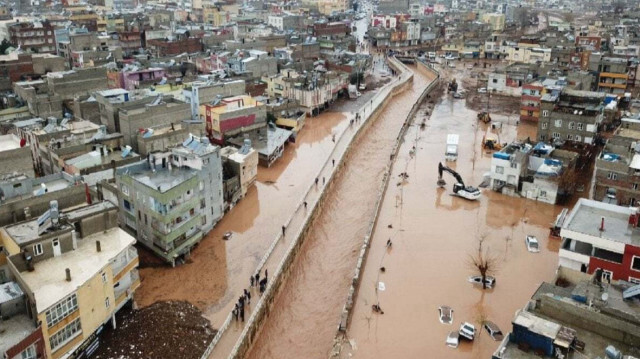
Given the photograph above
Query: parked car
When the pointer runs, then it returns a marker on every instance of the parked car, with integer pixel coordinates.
(477, 279)
(532, 244)
(482, 90)
(452, 65)
(362, 87)
(446, 314)
(467, 330)
(493, 330)
(453, 339)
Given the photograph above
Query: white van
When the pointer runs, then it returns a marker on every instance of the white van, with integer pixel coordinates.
(451, 152)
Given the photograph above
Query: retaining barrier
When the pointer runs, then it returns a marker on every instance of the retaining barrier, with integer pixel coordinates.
(265, 301)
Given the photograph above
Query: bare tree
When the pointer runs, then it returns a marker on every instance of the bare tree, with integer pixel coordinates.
(484, 262)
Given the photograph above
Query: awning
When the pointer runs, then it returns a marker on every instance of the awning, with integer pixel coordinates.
(635, 162)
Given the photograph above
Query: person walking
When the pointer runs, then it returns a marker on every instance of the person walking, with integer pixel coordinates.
(235, 313)
(333, 162)
(323, 181)
(316, 181)
(252, 280)
(248, 298)
(257, 278)
(305, 204)
(284, 229)
(266, 275)
(242, 314)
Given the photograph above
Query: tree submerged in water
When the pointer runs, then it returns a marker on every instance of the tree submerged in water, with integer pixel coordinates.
(483, 261)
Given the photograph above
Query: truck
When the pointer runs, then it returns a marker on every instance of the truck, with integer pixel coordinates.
(451, 151)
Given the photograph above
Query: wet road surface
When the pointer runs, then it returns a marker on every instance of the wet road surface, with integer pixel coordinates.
(305, 313)
(434, 234)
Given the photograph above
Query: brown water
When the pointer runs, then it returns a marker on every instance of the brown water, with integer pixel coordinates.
(305, 314)
(433, 236)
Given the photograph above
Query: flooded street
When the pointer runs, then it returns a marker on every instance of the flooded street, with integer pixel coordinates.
(216, 272)
(434, 235)
(305, 314)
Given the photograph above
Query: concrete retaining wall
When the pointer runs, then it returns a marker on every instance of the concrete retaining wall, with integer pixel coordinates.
(345, 317)
(264, 304)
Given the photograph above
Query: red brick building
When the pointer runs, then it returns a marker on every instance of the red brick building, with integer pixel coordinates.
(13, 67)
(163, 47)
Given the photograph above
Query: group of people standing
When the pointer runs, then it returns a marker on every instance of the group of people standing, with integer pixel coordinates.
(245, 298)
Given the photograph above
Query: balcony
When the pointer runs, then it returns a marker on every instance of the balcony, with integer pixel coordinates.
(126, 287)
(124, 263)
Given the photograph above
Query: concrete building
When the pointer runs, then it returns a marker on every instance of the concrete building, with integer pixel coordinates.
(15, 156)
(75, 270)
(496, 21)
(199, 92)
(36, 37)
(233, 116)
(508, 167)
(173, 199)
(601, 236)
(617, 171)
(570, 116)
(253, 64)
(163, 137)
(240, 166)
(16, 67)
(550, 175)
(613, 75)
(23, 198)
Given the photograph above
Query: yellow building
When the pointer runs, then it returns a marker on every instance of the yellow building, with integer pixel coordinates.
(75, 270)
(495, 20)
(214, 16)
(327, 7)
(108, 24)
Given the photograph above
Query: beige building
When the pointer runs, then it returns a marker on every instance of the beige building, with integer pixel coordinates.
(327, 7)
(74, 271)
(495, 20)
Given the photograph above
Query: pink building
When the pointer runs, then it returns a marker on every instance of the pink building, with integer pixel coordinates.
(142, 78)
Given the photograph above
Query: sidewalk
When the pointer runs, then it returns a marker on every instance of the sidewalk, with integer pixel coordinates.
(231, 330)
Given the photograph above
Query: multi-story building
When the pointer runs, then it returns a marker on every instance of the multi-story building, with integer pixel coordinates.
(570, 116)
(597, 235)
(233, 116)
(243, 163)
(253, 64)
(37, 37)
(15, 156)
(613, 75)
(197, 93)
(617, 172)
(214, 15)
(70, 273)
(174, 198)
(530, 101)
(508, 166)
(495, 20)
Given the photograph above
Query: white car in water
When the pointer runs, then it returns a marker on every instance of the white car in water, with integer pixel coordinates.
(467, 330)
(446, 314)
(532, 244)
(488, 280)
(453, 339)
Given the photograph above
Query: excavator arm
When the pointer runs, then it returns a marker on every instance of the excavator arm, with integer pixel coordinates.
(455, 174)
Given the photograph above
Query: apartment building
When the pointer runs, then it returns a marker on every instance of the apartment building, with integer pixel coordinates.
(570, 116)
(70, 273)
(617, 171)
(171, 200)
(613, 75)
(233, 116)
(602, 236)
(201, 92)
(508, 166)
(530, 101)
(243, 163)
(36, 37)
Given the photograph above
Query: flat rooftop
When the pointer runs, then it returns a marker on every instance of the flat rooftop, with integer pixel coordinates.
(27, 231)
(586, 217)
(163, 179)
(14, 330)
(9, 142)
(48, 281)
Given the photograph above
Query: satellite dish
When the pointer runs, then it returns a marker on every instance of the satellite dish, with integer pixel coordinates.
(605, 296)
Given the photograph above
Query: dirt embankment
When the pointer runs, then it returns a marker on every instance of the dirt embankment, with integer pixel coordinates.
(174, 330)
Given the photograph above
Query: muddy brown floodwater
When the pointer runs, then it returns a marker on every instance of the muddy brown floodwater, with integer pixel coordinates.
(305, 313)
(434, 234)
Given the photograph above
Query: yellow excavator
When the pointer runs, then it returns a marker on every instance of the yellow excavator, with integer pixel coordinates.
(484, 117)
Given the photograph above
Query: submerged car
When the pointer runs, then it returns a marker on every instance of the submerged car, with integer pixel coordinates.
(532, 244)
(453, 339)
(493, 330)
(482, 90)
(488, 280)
(467, 330)
(446, 314)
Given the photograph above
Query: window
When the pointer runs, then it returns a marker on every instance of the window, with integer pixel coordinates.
(634, 186)
(104, 277)
(495, 81)
(201, 185)
(543, 193)
(578, 138)
(514, 164)
(556, 135)
(612, 176)
(202, 203)
(127, 205)
(607, 275)
(635, 263)
(545, 125)
(542, 137)
(545, 113)
(125, 190)
(29, 353)
(580, 126)
(499, 169)
(558, 123)
(61, 310)
(204, 220)
(64, 335)
(570, 137)
(572, 125)
(37, 249)
(634, 280)
(192, 211)
(107, 302)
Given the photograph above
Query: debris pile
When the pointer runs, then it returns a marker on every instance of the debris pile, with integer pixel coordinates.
(163, 330)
